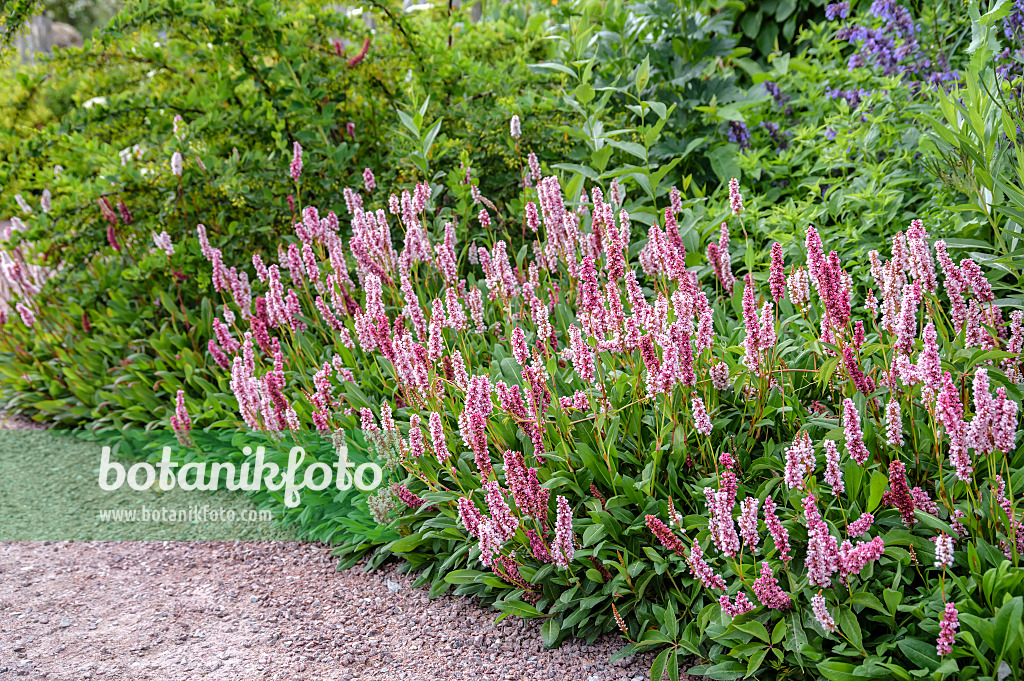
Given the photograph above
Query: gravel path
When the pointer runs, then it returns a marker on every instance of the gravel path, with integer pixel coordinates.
(163, 610)
(255, 610)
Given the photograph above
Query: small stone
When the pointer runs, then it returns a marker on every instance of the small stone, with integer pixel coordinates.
(64, 622)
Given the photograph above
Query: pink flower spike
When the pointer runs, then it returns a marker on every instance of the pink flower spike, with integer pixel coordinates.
(833, 474)
(779, 533)
(766, 589)
(860, 526)
(437, 438)
(295, 168)
(564, 545)
(669, 540)
(800, 461)
(735, 198)
(748, 523)
(943, 550)
(701, 421)
(741, 606)
(702, 571)
(899, 493)
(821, 613)
(947, 629)
(777, 274)
(854, 435)
(180, 421)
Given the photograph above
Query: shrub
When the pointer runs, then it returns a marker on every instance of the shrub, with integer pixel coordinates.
(181, 112)
(580, 435)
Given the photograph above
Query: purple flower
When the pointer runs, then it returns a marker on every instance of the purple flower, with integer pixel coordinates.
(738, 134)
(837, 10)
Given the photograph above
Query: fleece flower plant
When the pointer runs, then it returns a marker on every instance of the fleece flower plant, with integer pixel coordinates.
(775, 470)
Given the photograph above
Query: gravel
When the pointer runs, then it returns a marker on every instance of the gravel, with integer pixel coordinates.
(257, 610)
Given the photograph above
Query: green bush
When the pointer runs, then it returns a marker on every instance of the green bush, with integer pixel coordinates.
(248, 82)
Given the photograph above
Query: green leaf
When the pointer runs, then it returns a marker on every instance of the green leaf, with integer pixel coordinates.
(1007, 624)
(850, 627)
(838, 671)
(584, 93)
(642, 74)
(406, 544)
(723, 161)
(630, 148)
(519, 609)
(658, 666)
(555, 66)
(726, 671)
(924, 655)
(463, 576)
(550, 632)
(868, 600)
(877, 489)
(755, 661)
(754, 628)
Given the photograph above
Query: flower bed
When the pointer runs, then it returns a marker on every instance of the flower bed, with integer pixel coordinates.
(787, 470)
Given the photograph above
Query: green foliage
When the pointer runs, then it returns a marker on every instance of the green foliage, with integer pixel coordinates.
(247, 82)
(772, 25)
(16, 15)
(973, 140)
